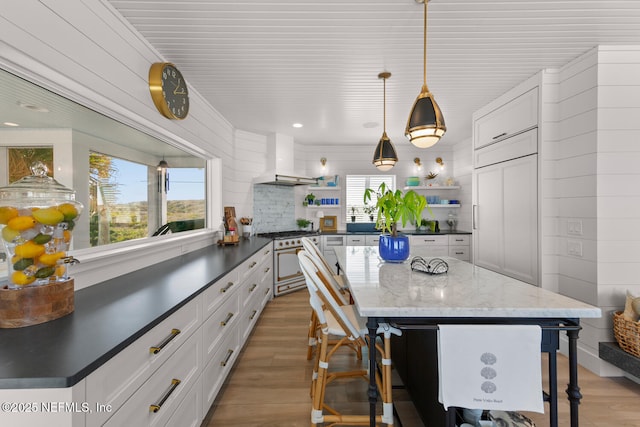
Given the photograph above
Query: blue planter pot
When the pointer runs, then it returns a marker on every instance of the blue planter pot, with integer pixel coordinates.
(393, 249)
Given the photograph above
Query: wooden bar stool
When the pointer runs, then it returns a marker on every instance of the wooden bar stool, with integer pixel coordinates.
(343, 323)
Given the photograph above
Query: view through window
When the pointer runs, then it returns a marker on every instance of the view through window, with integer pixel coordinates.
(356, 184)
(129, 200)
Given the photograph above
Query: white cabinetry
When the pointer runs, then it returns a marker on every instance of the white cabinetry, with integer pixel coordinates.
(505, 184)
(328, 243)
(459, 246)
(517, 115)
(431, 245)
(505, 218)
(181, 363)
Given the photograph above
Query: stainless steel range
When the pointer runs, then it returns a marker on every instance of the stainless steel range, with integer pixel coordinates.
(287, 276)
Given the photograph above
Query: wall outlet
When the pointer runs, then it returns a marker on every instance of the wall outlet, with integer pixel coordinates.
(574, 248)
(574, 226)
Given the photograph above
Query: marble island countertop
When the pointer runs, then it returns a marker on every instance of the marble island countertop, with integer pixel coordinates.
(383, 289)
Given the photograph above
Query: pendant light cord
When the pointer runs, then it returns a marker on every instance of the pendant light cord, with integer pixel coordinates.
(384, 104)
(424, 52)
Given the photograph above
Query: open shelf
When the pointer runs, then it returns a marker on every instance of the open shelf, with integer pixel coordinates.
(312, 188)
(436, 188)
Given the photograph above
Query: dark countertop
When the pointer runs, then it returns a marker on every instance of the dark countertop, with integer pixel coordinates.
(111, 315)
(406, 232)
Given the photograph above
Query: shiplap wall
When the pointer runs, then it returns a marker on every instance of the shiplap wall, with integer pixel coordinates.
(86, 52)
(592, 192)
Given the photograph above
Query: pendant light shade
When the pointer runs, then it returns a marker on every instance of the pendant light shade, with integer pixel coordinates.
(385, 157)
(426, 125)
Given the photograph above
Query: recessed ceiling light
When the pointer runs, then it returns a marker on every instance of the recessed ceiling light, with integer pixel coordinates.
(371, 125)
(10, 124)
(32, 107)
(297, 125)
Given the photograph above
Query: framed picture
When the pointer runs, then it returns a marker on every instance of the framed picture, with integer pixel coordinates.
(329, 223)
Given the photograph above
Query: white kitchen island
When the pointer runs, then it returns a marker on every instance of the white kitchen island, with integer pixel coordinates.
(466, 294)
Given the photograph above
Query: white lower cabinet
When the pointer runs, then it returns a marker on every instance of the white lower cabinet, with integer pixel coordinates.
(453, 245)
(218, 367)
(180, 364)
(116, 381)
(156, 401)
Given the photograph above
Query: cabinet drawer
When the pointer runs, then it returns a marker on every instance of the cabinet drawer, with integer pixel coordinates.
(460, 252)
(189, 412)
(515, 116)
(431, 251)
(356, 240)
(428, 240)
(518, 146)
(372, 240)
(458, 239)
(218, 324)
(219, 292)
(115, 381)
(328, 241)
(218, 368)
(249, 317)
(162, 389)
(249, 290)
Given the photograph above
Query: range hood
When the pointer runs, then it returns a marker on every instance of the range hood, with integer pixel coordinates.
(280, 159)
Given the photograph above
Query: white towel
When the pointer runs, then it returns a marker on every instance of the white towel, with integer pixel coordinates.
(490, 367)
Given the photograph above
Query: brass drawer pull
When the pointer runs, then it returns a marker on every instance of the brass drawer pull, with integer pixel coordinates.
(266, 270)
(167, 340)
(226, 359)
(253, 287)
(227, 320)
(499, 136)
(226, 288)
(266, 291)
(253, 264)
(253, 314)
(157, 406)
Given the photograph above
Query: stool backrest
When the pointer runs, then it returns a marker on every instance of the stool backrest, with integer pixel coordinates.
(317, 283)
(313, 251)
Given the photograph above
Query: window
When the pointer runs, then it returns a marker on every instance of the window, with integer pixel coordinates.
(129, 200)
(356, 184)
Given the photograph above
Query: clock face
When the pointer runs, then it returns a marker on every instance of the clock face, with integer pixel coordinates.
(169, 90)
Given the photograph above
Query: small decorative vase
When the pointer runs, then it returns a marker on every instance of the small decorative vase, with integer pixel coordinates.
(393, 249)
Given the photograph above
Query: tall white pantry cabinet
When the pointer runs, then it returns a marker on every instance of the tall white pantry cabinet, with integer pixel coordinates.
(505, 184)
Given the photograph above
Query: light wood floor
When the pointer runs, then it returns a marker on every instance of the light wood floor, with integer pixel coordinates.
(269, 384)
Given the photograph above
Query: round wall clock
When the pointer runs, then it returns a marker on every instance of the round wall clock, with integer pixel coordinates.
(169, 90)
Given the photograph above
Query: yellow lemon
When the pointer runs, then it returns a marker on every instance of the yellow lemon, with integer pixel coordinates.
(29, 250)
(19, 278)
(50, 259)
(61, 270)
(7, 213)
(21, 223)
(48, 216)
(68, 210)
(66, 235)
(8, 234)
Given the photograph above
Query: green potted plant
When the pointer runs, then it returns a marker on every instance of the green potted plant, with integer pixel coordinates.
(354, 211)
(310, 198)
(369, 210)
(302, 223)
(394, 207)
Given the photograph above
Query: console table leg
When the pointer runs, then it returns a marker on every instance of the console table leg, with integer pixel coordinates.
(553, 389)
(573, 391)
(372, 325)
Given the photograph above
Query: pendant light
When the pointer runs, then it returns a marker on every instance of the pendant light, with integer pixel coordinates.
(426, 123)
(385, 157)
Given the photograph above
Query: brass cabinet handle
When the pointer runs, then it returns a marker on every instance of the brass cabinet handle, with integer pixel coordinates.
(167, 340)
(253, 287)
(267, 252)
(253, 314)
(227, 320)
(266, 270)
(226, 288)
(157, 406)
(266, 291)
(253, 264)
(499, 136)
(226, 359)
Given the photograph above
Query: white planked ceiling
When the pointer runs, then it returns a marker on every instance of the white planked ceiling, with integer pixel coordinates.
(265, 64)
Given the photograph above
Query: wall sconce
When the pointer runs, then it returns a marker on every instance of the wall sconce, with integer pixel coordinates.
(440, 162)
(323, 162)
(163, 175)
(418, 163)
